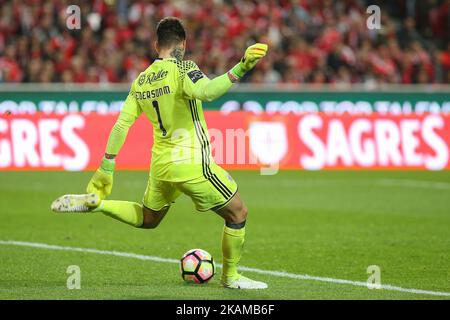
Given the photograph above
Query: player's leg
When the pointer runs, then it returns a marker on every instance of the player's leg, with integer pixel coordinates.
(235, 215)
(233, 237)
(152, 218)
(158, 197)
(132, 213)
(156, 203)
(217, 191)
(128, 212)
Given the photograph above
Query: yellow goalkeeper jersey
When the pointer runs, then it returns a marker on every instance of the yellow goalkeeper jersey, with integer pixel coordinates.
(169, 92)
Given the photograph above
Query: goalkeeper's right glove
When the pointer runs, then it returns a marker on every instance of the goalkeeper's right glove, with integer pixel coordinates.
(102, 181)
(249, 60)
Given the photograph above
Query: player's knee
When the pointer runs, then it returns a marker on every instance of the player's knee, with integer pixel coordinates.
(244, 212)
(150, 224)
(150, 221)
(239, 215)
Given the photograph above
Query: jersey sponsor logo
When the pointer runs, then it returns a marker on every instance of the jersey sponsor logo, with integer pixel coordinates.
(141, 79)
(152, 77)
(152, 94)
(195, 75)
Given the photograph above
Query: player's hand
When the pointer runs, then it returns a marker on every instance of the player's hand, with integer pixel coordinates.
(250, 59)
(252, 56)
(102, 181)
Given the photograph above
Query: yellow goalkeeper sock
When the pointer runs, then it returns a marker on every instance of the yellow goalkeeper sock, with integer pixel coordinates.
(124, 211)
(232, 243)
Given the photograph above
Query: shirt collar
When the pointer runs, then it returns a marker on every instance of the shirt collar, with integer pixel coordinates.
(161, 59)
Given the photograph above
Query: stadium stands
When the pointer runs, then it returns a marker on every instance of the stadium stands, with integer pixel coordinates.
(310, 41)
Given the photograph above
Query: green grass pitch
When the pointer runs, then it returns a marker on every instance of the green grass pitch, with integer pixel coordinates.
(324, 224)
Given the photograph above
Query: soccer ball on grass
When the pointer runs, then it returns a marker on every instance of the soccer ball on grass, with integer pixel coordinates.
(197, 266)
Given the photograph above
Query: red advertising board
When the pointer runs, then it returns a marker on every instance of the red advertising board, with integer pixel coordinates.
(239, 140)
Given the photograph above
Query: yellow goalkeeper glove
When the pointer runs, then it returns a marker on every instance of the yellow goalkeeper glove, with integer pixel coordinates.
(249, 60)
(102, 181)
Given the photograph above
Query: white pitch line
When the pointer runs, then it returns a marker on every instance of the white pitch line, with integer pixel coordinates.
(260, 271)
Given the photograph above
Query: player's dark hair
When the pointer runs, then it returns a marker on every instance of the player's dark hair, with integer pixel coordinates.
(169, 32)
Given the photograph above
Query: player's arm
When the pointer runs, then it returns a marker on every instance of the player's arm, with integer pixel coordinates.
(102, 181)
(198, 86)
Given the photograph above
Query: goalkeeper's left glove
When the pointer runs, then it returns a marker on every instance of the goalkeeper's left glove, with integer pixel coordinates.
(102, 181)
(249, 60)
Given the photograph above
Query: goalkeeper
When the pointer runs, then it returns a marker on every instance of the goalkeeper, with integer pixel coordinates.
(170, 93)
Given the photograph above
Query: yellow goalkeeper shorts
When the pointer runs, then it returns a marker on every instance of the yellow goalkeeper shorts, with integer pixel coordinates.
(212, 190)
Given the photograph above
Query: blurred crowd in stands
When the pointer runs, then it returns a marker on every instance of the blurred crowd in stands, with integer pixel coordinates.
(310, 41)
